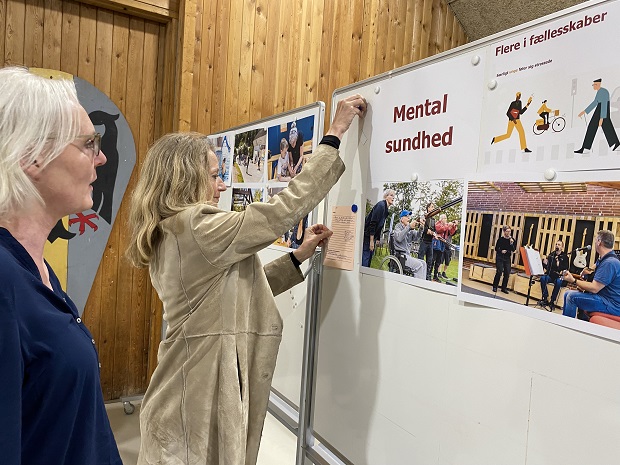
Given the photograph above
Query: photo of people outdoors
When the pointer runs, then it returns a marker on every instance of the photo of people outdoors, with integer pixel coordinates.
(224, 151)
(292, 238)
(244, 196)
(552, 246)
(413, 229)
(249, 157)
(289, 146)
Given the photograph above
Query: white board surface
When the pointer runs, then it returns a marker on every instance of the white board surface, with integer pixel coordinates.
(408, 375)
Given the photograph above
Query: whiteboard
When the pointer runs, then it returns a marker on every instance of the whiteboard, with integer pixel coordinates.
(410, 375)
(291, 304)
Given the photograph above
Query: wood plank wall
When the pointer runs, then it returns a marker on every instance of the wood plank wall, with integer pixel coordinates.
(549, 229)
(204, 65)
(256, 58)
(122, 56)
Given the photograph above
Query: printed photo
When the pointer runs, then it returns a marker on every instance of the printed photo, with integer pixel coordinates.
(224, 150)
(292, 238)
(551, 247)
(289, 146)
(249, 157)
(244, 196)
(413, 229)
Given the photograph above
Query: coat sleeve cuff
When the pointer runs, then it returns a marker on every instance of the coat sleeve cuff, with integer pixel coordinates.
(282, 274)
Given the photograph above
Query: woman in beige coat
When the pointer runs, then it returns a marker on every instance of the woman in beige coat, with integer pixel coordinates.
(207, 400)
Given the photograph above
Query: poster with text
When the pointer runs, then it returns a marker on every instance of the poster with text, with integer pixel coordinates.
(425, 121)
(552, 96)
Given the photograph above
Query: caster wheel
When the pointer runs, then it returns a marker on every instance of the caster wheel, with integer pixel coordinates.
(129, 408)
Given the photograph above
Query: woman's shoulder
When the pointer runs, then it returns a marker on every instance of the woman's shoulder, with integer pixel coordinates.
(190, 215)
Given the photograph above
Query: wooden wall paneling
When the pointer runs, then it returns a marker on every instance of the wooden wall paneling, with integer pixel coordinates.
(455, 31)
(33, 40)
(96, 315)
(315, 53)
(380, 41)
(296, 32)
(142, 9)
(400, 25)
(220, 65)
(197, 61)
(115, 285)
(163, 85)
(103, 53)
(87, 43)
(418, 28)
(357, 30)
(300, 88)
(341, 56)
(390, 45)
(325, 92)
(14, 46)
(448, 28)
(462, 37)
(408, 25)
(234, 31)
(3, 29)
(129, 351)
(436, 36)
(168, 57)
(185, 65)
(205, 70)
(259, 61)
(141, 298)
(427, 21)
(281, 53)
(267, 102)
(369, 32)
(69, 53)
(245, 61)
(52, 34)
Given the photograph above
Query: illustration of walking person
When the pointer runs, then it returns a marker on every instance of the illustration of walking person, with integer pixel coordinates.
(600, 118)
(515, 110)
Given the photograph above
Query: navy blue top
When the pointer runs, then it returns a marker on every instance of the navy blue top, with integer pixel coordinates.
(607, 272)
(51, 405)
(374, 221)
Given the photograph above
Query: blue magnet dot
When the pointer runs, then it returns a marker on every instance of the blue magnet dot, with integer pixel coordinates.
(354, 208)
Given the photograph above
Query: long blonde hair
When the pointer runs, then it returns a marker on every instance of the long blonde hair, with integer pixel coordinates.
(173, 177)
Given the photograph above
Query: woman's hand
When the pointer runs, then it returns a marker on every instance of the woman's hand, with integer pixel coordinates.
(347, 109)
(315, 236)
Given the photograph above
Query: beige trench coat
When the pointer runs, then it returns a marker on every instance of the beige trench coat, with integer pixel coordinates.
(207, 400)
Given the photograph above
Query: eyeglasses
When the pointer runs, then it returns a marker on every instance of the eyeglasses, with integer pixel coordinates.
(93, 144)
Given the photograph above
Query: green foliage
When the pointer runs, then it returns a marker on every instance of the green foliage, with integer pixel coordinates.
(414, 196)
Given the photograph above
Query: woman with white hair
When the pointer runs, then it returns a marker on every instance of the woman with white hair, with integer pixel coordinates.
(207, 399)
(51, 404)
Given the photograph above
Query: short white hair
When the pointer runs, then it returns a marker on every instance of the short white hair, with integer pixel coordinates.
(388, 192)
(39, 117)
